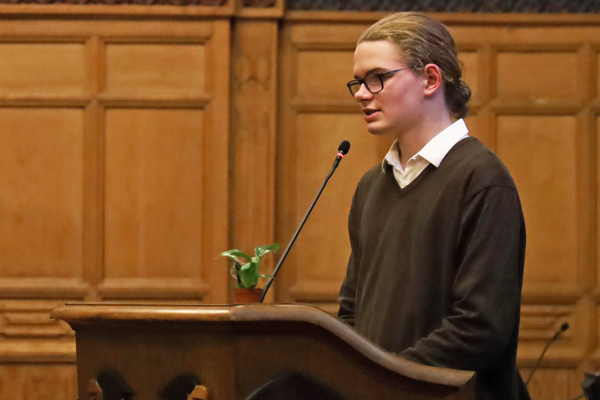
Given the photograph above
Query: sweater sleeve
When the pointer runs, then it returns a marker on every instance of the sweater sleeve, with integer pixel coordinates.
(487, 288)
(347, 295)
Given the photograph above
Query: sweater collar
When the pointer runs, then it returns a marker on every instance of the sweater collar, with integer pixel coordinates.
(435, 150)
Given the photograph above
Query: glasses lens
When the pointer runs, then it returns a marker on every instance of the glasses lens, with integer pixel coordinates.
(374, 83)
(354, 87)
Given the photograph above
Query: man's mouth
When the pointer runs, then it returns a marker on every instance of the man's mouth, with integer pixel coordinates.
(370, 114)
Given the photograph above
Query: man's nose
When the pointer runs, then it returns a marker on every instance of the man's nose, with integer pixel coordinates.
(362, 93)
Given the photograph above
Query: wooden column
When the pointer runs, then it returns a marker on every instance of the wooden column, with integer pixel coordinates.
(253, 124)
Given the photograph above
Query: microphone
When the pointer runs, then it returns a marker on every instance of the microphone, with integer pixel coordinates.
(560, 330)
(342, 151)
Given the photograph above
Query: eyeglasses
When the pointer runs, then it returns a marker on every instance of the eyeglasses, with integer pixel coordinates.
(373, 82)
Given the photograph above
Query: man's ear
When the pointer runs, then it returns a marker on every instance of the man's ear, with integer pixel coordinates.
(433, 78)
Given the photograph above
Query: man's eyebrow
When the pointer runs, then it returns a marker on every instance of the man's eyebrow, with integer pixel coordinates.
(371, 71)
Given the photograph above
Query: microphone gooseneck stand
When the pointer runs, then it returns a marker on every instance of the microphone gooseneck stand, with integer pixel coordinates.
(342, 150)
(562, 328)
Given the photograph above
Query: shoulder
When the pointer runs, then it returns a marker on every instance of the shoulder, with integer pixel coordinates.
(477, 166)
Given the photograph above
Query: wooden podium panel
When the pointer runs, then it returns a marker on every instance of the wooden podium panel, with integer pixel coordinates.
(234, 351)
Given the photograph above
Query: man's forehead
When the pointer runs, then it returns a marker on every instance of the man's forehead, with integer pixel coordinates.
(371, 56)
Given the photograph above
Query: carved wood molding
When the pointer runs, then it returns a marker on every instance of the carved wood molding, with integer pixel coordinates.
(461, 6)
(259, 3)
(539, 322)
(261, 9)
(205, 3)
(30, 319)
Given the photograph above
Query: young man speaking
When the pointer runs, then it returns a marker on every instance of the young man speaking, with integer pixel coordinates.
(436, 230)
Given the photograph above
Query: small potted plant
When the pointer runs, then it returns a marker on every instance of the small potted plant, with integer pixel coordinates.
(247, 272)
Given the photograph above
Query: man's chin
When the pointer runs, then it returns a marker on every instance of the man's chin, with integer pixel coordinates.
(377, 130)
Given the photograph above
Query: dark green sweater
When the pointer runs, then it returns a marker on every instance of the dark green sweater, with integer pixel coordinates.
(436, 268)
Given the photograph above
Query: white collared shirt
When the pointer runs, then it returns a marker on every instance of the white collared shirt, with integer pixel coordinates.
(432, 153)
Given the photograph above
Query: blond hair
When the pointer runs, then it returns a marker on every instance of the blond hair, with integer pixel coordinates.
(423, 40)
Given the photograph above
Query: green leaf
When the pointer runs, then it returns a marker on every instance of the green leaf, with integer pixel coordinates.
(236, 260)
(260, 251)
(248, 275)
(234, 254)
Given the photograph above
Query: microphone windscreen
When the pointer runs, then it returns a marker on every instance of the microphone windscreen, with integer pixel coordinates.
(344, 147)
(564, 326)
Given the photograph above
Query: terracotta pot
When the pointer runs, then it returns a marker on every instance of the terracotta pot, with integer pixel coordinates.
(247, 296)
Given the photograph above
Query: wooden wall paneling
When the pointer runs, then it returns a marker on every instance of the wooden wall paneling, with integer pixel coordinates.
(530, 146)
(586, 163)
(44, 129)
(259, 9)
(548, 158)
(126, 9)
(31, 381)
(217, 207)
(252, 151)
(558, 115)
(154, 201)
(595, 353)
(475, 59)
(284, 217)
(594, 110)
(539, 323)
(55, 109)
(165, 101)
(93, 200)
(554, 382)
(43, 113)
(43, 110)
(42, 210)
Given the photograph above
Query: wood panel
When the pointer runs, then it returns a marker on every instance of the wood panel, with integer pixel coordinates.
(531, 147)
(43, 68)
(528, 75)
(52, 382)
(154, 194)
(41, 178)
(150, 69)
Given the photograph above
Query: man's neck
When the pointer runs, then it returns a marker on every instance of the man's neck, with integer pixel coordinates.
(412, 141)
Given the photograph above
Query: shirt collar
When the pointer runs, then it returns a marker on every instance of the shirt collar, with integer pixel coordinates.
(435, 150)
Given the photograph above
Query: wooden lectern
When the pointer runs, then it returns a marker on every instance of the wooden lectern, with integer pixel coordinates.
(249, 352)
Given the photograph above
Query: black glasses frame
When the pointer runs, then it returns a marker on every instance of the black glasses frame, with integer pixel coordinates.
(359, 82)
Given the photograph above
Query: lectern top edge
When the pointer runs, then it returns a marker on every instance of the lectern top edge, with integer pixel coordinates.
(273, 315)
